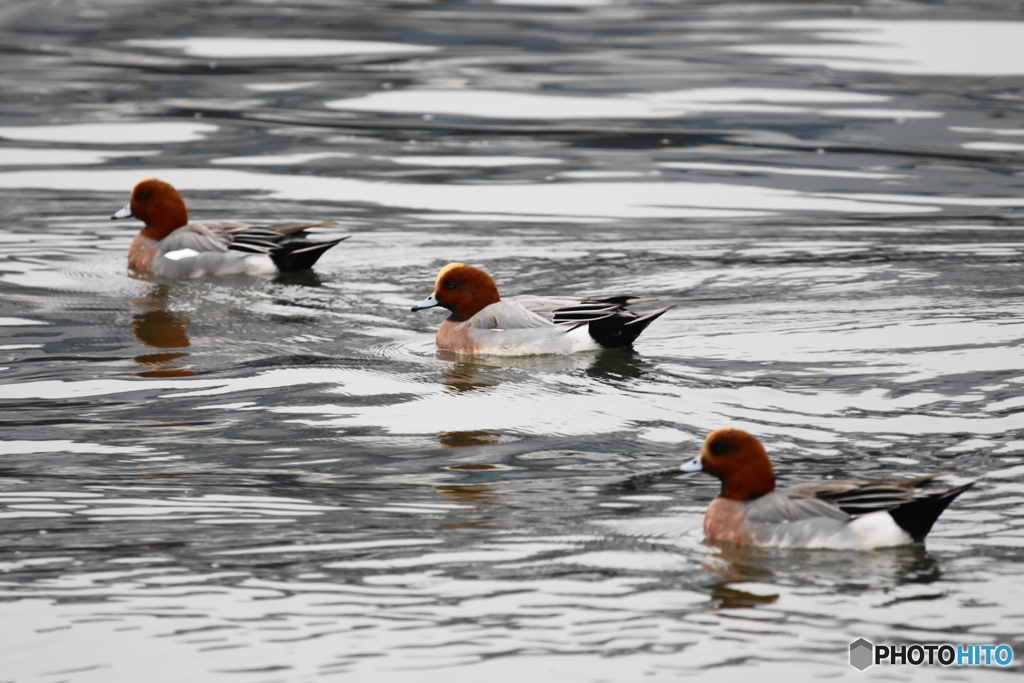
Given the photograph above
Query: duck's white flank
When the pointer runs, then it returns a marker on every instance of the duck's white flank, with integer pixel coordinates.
(879, 530)
(179, 254)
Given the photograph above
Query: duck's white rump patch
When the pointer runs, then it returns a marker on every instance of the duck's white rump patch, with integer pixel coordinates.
(879, 530)
(259, 264)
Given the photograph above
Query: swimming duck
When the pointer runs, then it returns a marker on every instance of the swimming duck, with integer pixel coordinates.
(851, 514)
(171, 246)
(480, 321)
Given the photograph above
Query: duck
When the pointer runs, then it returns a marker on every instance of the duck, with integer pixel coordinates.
(481, 322)
(836, 514)
(170, 246)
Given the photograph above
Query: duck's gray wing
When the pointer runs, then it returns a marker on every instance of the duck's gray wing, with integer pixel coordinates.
(199, 237)
(508, 314)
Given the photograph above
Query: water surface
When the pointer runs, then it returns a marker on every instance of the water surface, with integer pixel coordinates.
(281, 479)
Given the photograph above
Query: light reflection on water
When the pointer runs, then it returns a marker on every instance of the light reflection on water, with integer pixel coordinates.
(281, 480)
(905, 47)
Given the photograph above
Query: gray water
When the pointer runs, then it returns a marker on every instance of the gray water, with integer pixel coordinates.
(280, 479)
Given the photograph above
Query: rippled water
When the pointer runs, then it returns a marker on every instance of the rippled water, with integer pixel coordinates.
(265, 480)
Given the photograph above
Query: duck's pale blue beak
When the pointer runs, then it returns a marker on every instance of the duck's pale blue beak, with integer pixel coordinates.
(694, 465)
(126, 212)
(429, 302)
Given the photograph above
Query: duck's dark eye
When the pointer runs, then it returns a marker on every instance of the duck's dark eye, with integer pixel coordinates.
(451, 284)
(720, 447)
(142, 196)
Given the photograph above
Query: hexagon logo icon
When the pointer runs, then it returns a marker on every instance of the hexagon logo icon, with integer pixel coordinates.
(862, 653)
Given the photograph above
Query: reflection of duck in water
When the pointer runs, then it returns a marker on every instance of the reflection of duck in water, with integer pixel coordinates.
(469, 373)
(158, 328)
(475, 437)
(618, 364)
(473, 372)
(477, 505)
(482, 322)
(750, 565)
(477, 500)
(171, 246)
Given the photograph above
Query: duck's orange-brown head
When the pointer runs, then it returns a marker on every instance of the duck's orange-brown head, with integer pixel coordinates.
(739, 460)
(158, 205)
(462, 289)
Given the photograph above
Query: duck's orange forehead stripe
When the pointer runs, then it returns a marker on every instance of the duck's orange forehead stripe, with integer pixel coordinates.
(444, 273)
(151, 185)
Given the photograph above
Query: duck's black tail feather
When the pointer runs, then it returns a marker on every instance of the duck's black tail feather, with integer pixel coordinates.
(298, 253)
(916, 517)
(622, 327)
